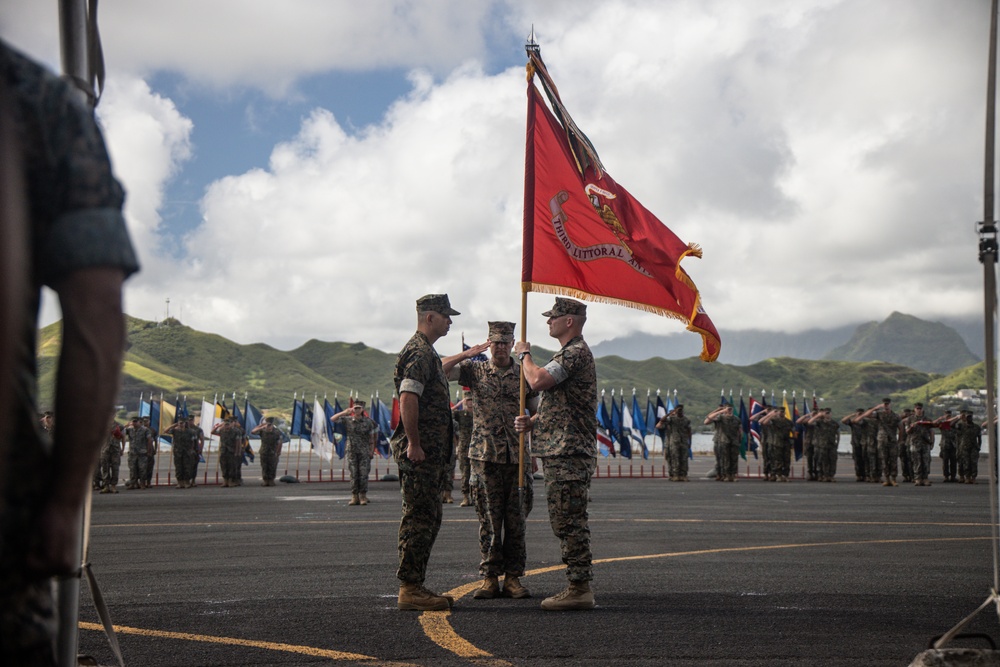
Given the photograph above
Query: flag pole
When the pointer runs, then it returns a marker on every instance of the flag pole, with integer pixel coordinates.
(988, 258)
(530, 47)
(520, 436)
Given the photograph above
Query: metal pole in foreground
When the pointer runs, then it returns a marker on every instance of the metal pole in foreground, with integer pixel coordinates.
(988, 257)
(75, 49)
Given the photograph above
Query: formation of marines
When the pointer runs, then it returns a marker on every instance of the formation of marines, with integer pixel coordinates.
(884, 445)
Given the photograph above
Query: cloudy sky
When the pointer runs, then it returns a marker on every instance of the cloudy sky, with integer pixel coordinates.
(307, 168)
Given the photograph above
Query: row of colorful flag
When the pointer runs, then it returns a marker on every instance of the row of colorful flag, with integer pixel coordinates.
(328, 438)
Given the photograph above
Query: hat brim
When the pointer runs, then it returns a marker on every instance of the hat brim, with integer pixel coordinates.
(449, 312)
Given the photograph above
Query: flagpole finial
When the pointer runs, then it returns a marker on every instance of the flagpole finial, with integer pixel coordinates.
(531, 46)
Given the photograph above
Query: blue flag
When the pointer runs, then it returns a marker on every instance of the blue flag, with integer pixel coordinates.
(624, 446)
(253, 418)
(605, 443)
(639, 427)
(297, 415)
(382, 417)
(339, 438)
(154, 418)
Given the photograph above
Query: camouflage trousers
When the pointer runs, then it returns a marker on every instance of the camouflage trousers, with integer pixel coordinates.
(138, 461)
(108, 466)
(826, 460)
(677, 459)
(461, 463)
(420, 486)
(858, 456)
(949, 461)
(920, 457)
(968, 461)
(185, 463)
(729, 458)
(809, 452)
(873, 466)
(359, 464)
(905, 462)
(150, 467)
(567, 490)
(780, 454)
(502, 525)
(888, 456)
(230, 461)
(268, 463)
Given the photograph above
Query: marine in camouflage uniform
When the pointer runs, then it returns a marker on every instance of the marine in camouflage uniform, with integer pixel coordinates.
(362, 433)
(678, 443)
(970, 440)
(463, 437)
(494, 456)
(186, 441)
(920, 441)
(270, 450)
(422, 448)
(826, 438)
(75, 227)
(140, 444)
(565, 439)
(857, 444)
(230, 450)
(777, 429)
(726, 437)
(949, 447)
(887, 434)
(111, 460)
(809, 448)
(905, 460)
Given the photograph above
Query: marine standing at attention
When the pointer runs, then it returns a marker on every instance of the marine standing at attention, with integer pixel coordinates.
(564, 437)
(270, 450)
(887, 423)
(362, 433)
(422, 447)
(494, 459)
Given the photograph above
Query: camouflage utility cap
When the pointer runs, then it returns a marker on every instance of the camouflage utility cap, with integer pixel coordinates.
(565, 306)
(439, 303)
(359, 404)
(501, 332)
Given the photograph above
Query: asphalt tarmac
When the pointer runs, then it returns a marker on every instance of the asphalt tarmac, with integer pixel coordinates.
(698, 573)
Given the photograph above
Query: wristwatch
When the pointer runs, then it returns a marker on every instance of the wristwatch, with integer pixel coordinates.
(521, 355)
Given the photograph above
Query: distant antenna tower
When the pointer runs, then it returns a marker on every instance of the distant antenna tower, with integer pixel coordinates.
(168, 308)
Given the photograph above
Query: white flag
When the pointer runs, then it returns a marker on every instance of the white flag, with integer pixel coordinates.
(320, 441)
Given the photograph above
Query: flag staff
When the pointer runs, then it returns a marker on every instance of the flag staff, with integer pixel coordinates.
(530, 47)
(988, 258)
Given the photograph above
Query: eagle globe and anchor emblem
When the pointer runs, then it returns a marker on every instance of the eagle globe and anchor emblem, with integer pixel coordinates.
(619, 251)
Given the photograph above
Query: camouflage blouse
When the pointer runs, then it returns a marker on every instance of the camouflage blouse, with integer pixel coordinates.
(566, 424)
(497, 392)
(419, 371)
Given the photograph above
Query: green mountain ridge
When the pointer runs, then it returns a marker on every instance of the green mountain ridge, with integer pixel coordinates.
(172, 359)
(932, 347)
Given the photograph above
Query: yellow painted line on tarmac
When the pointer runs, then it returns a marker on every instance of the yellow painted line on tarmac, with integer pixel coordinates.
(438, 629)
(234, 641)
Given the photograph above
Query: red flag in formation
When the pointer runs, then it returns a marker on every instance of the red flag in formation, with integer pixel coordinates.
(586, 236)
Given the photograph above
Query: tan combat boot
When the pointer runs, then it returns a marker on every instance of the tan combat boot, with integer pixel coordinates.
(363, 498)
(512, 588)
(414, 597)
(576, 597)
(466, 502)
(354, 499)
(489, 590)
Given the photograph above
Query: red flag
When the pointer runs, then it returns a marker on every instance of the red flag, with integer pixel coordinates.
(394, 421)
(586, 236)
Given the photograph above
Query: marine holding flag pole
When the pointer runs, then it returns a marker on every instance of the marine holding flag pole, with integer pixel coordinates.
(585, 236)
